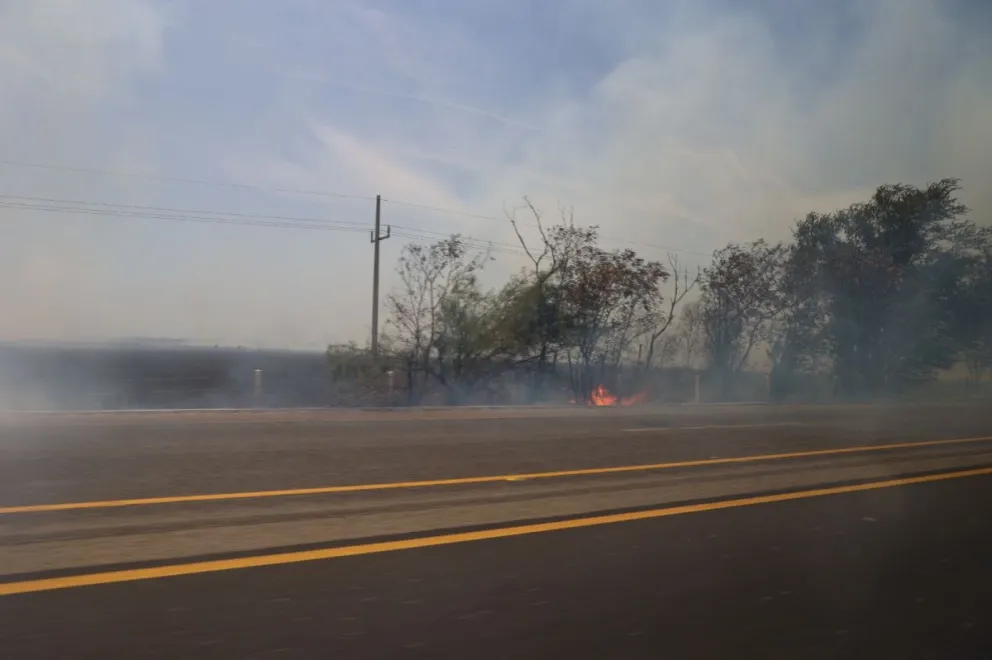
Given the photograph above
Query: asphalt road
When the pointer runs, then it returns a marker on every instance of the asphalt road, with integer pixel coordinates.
(895, 573)
(94, 500)
(57, 459)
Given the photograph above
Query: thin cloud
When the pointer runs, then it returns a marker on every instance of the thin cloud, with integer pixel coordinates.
(687, 126)
(418, 98)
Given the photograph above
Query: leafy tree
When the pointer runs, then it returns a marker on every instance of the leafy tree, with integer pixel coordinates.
(582, 302)
(563, 248)
(878, 296)
(432, 278)
(884, 275)
(972, 317)
(742, 295)
(610, 299)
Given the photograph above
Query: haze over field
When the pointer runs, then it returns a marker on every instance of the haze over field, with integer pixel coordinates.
(676, 124)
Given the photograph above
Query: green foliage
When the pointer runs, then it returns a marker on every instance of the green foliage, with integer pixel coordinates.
(886, 277)
(883, 294)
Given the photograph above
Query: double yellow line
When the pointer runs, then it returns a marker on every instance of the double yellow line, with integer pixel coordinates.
(463, 481)
(194, 568)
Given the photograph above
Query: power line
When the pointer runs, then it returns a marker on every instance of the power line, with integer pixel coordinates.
(115, 213)
(438, 209)
(110, 210)
(319, 193)
(184, 212)
(447, 234)
(176, 179)
(200, 216)
(468, 241)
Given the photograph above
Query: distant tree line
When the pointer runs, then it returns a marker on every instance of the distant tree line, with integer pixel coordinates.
(875, 298)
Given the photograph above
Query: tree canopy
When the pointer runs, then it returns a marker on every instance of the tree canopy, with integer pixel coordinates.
(876, 298)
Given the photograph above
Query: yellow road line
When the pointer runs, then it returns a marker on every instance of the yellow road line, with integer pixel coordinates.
(176, 570)
(460, 481)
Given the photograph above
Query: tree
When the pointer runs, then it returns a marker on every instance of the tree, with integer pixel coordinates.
(662, 320)
(877, 296)
(432, 279)
(972, 317)
(797, 338)
(608, 300)
(611, 299)
(885, 275)
(741, 295)
(562, 249)
(687, 338)
(465, 345)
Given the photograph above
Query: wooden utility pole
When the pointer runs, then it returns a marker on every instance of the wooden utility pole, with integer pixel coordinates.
(377, 238)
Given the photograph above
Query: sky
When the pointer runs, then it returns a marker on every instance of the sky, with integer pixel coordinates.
(149, 146)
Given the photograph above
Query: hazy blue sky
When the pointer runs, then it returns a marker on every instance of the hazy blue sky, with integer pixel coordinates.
(682, 124)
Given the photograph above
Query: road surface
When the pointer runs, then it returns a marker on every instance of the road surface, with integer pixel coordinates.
(737, 532)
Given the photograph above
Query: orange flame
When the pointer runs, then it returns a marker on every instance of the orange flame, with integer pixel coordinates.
(600, 396)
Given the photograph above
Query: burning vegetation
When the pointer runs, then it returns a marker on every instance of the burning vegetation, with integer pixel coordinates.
(602, 397)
